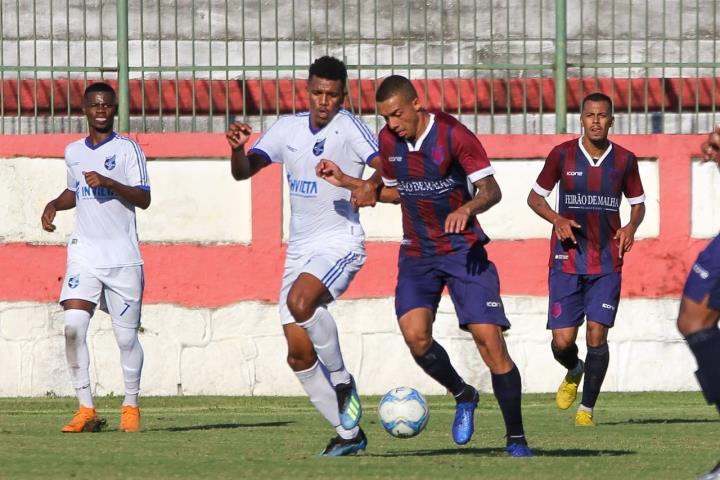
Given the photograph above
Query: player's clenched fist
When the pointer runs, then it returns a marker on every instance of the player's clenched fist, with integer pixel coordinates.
(711, 147)
(48, 216)
(238, 134)
(94, 180)
(328, 170)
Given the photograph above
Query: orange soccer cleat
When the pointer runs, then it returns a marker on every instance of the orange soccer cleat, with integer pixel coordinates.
(84, 420)
(129, 418)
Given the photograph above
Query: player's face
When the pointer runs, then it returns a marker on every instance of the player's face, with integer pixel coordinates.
(326, 98)
(401, 115)
(596, 120)
(99, 109)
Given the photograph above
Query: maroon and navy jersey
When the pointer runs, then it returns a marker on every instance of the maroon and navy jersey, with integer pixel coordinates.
(434, 177)
(590, 191)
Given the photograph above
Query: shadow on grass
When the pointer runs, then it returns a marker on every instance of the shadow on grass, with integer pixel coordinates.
(219, 426)
(500, 452)
(661, 421)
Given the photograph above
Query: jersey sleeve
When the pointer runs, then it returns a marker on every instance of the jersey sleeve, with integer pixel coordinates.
(270, 144)
(361, 140)
(386, 148)
(470, 153)
(72, 182)
(632, 185)
(136, 166)
(549, 175)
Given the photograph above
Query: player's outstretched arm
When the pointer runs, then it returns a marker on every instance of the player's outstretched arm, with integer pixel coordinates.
(626, 235)
(64, 201)
(137, 196)
(563, 226)
(242, 166)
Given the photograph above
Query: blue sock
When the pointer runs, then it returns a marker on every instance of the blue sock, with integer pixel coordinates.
(596, 365)
(507, 388)
(436, 363)
(705, 345)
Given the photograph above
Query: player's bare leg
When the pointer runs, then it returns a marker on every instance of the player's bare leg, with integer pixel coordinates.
(565, 351)
(506, 382)
(77, 320)
(596, 365)
(416, 327)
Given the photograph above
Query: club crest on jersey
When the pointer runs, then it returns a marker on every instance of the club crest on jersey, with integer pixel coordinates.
(110, 163)
(74, 281)
(319, 147)
(438, 154)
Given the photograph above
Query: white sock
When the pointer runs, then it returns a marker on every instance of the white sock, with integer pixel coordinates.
(77, 354)
(322, 395)
(322, 330)
(347, 434)
(131, 360)
(583, 408)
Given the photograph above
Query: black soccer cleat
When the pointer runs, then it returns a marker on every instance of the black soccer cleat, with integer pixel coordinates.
(340, 447)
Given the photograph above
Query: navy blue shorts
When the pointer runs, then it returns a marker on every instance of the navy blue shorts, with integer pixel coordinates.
(574, 297)
(470, 277)
(704, 277)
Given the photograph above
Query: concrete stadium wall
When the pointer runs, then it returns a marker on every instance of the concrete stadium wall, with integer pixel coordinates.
(213, 250)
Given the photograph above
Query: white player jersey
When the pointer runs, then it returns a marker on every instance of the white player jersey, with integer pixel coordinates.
(105, 233)
(319, 210)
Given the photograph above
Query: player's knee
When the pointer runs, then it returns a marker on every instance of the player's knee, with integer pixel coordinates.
(559, 345)
(419, 342)
(300, 307)
(299, 361)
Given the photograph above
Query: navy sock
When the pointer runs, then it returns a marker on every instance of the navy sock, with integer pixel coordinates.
(596, 365)
(705, 345)
(436, 363)
(568, 358)
(507, 388)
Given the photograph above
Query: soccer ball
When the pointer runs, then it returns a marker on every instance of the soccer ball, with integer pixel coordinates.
(403, 412)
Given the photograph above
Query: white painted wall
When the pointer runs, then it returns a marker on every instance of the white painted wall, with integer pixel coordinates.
(240, 350)
(192, 201)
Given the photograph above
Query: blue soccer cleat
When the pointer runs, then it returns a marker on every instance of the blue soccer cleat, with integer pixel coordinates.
(340, 447)
(518, 450)
(464, 423)
(349, 406)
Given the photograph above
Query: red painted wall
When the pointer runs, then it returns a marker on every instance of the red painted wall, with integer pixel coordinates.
(212, 276)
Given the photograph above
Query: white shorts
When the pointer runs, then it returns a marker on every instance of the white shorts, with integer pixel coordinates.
(117, 291)
(334, 265)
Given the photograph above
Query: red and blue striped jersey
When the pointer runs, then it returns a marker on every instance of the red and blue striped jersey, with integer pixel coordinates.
(434, 177)
(590, 191)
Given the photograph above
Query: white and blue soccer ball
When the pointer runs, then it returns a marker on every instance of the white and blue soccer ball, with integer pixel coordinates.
(403, 412)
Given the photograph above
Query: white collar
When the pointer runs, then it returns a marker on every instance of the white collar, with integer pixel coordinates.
(593, 162)
(419, 141)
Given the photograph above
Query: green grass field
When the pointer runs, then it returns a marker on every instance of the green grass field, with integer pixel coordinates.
(644, 435)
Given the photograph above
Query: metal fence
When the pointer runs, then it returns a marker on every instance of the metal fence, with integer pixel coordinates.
(508, 66)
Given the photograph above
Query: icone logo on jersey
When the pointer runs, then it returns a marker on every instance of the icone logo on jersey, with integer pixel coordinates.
(395, 159)
(574, 174)
(608, 306)
(493, 304)
(110, 163)
(319, 147)
(704, 274)
(302, 188)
